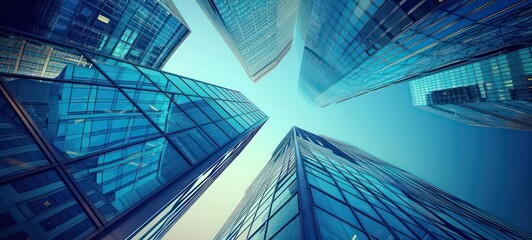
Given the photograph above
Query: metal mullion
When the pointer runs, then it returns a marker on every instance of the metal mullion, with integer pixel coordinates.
(52, 156)
(139, 108)
(30, 77)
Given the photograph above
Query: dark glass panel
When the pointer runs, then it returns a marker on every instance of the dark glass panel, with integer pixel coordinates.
(283, 216)
(18, 150)
(43, 208)
(226, 127)
(80, 119)
(161, 110)
(235, 125)
(206, 108)
(117, 180)
(194, 144)
(216, 134)
(191, 109)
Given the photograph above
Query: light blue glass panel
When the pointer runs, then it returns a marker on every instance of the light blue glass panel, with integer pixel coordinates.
(117, 180)
(18, 150)
(226, 127)
(206, 108)
(191, 109)
(161, 110)
(160, 80)
(124, 74)
(80, 119)
(40, 206)
(332, 228)
(283, 216)
(178, 82)
(194, 144)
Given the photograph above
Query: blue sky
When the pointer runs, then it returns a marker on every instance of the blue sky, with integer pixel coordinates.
(489, 168)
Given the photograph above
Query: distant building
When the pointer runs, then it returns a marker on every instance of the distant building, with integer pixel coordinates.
(494, 92)
(315, 187)
(96, 147)
(145, 32)
(258, 32)
(355, 47)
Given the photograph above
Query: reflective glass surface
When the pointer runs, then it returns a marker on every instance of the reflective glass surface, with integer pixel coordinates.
(180, 84)
(18, 150)
(124, 74)
(81, 119)
(161, 110)
(190, 108)
(194, 144)
(44, 206)
(160, 80)
(116, 180)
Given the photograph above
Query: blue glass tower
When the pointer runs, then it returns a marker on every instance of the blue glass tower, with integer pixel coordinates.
(354, 47)
(315, 187)
(144, 32)
(258, 32)
(493, 92)
(96, 147)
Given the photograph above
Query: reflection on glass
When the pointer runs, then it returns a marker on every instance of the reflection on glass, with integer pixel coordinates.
(117, 180)
(206, 108)
(180, 84)
(41, 207)
(216, 134)
(29, 57)
(159, 79)
(190, 108)
(18, 150)
(124, 74)
(194, 143)
(195, 86)
(161, 110)
(81, 119)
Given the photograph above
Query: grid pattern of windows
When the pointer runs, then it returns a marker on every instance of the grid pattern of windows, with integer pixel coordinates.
(494, 92)
(119, 133)
(258, 32)
(142, 32)
(353, 195)
(354, 47)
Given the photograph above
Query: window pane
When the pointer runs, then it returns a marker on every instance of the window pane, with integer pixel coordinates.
(160, 80)
(216, 134)
(332, 228)
(124, 74)
(206, 108)
(180, 84)
(191, 109)
(194, 143)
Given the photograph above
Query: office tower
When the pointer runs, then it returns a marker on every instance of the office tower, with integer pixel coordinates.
(95, 147)
(315, 187)
(144, 32)
(494, 92)
(355, 47)
(259, 33)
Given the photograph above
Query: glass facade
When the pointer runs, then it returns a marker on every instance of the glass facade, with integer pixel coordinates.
(258, 32)
(144, 32)
(354, 47)
(315, 187)
(92, 146)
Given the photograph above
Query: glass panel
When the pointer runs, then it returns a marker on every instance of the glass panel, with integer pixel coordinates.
(332, 228)
(226, 107)
(374, 228)
(160, 80)
(216, 134)
(235, 125)
(161, 110)
(206, 108)
(292, 231)
(194, 144)
(191, 109)
(80, 119)
(217, 108)
(117, 180)
(207, 89)
(230, 131)
(281, 218)
(180, 84)
(45, 60)
(240, 120)
(41, 207)
(124, 74)
(193, 85)
(333, 206)
(18, 150)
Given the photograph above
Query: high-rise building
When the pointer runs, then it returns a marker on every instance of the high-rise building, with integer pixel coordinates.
(315, 187)
(144, 32)
(354, 47)
(258, 32)
(95, 147)
(494, 92)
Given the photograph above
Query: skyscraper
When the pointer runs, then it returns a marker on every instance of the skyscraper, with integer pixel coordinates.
(355, 47)
(258, 32)
(96, 147)
(494, 92)
(142, 32)
(315, 187)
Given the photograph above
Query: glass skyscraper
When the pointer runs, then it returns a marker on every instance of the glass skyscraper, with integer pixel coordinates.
(259, 33)
(95, 147)
(494, 92)
(144, 32)
(315, 187)
(354, 47)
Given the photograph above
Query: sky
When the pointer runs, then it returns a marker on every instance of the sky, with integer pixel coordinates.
(487, 167)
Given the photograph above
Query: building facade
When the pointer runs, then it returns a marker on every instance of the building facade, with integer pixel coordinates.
(494, 92)
(144, 32)
(355, 47)
(315, 187)
(95, 147)
(259, 33)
